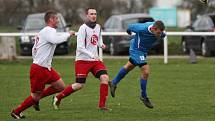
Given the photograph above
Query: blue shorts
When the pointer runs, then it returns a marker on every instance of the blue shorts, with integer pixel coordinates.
(138, 58)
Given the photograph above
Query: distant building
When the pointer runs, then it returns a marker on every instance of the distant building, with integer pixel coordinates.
(167, 11)
(167, 3)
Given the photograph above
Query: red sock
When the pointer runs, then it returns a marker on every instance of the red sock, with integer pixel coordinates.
(24, 105)
(66, 92)
(49, 91)
(103, 94)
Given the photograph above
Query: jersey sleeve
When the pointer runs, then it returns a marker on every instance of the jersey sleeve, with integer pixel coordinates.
(53, 37)
(134, 28)
(81, 41)
(100, 43)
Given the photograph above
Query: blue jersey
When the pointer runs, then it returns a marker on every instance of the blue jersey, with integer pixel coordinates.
(141, 42)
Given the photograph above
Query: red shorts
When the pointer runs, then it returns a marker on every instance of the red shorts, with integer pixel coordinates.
(82, 68)
(39, 76)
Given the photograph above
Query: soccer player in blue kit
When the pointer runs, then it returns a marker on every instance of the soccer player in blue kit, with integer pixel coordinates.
(146, 36)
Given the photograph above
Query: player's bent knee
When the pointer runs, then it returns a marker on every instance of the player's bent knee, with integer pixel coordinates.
(145, 75)
(61, 88)
(59, 85)
(100, 73)
(104, 78)
(36, 96)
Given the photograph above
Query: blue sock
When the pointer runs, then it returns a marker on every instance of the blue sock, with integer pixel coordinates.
(122, 72)
(143, 84)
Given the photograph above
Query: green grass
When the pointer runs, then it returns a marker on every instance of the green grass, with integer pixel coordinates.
(174, 45)
(174, 42)
(180, 92)
(8, 29)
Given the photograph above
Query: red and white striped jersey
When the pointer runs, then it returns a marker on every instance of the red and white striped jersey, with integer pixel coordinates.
(45, 44)
(88, 41)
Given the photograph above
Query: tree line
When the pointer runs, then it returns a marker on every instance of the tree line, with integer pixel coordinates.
(13, 12)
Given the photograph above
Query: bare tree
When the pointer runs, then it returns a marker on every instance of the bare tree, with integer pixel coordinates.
(14, 11)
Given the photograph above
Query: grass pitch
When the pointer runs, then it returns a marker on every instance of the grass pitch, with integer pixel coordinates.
(180, 92)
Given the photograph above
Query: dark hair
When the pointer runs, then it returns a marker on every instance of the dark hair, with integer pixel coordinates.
(49, 14)
(159, 25)
(86, 10)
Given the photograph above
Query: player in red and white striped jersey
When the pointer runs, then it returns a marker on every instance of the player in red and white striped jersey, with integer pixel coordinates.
(41, 72)
(87, 60)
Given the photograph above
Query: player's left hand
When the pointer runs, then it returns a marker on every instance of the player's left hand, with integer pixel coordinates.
(103, 46)
(163, 34)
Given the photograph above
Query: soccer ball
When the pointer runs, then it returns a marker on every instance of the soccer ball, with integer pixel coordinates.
(204, 1)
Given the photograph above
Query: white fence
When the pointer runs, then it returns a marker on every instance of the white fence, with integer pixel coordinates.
(166, 38)
(125, 34)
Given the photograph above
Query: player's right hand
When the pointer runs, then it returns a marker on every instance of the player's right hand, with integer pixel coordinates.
(129, 32)
(95, 58)
(72, 33)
